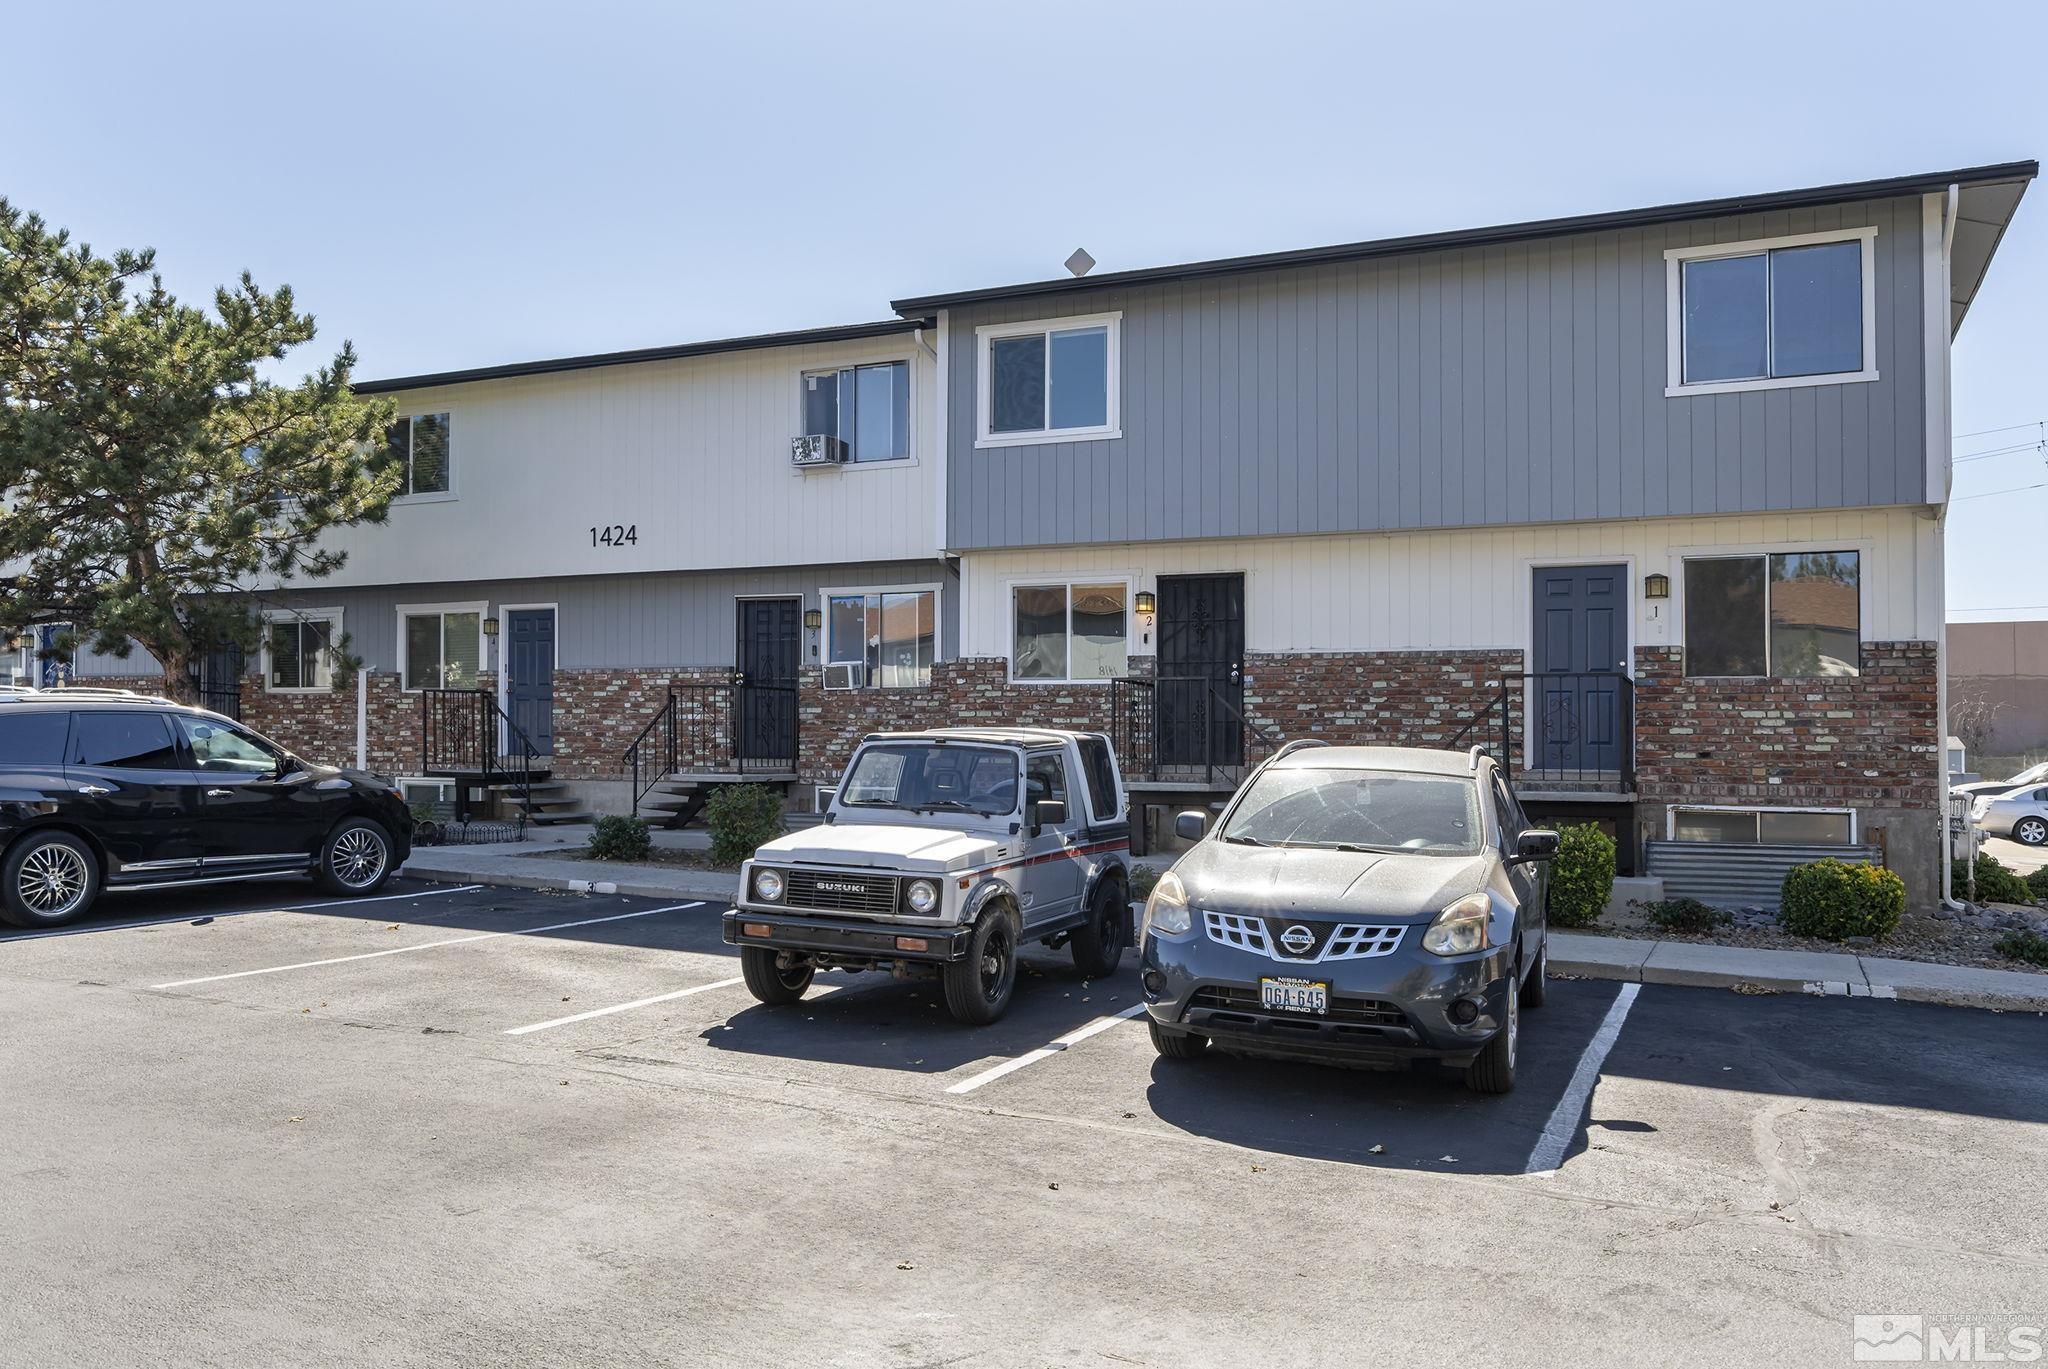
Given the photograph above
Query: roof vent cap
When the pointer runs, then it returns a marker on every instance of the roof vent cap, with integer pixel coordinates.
(1080, 263)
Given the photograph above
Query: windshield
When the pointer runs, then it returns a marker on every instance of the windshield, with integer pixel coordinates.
(1372, 810)
(932, 778)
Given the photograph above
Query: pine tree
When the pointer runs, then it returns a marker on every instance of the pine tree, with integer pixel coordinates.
(150, 476)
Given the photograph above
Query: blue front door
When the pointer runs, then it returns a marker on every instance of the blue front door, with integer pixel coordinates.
(1575, 700)
(530, 674)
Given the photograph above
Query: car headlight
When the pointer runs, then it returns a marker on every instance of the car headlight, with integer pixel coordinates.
(768, 886)
(1461, 928)
(1166, 912)
(922, 896)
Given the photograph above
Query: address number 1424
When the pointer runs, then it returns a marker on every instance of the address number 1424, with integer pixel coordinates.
(617, 535)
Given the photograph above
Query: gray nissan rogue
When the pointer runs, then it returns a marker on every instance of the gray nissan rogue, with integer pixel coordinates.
(1358, 905)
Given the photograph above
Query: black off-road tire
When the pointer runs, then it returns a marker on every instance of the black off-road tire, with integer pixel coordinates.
(1177, 1045)
(64, 872)
(1098, 944)
(771, 983)
(355, 860)
(978, 987)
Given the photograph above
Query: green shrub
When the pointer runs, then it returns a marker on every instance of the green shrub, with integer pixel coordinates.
(620, 838)
(1684, 915)
(1995, 883)
(1582, 876)
(2037, 884)
(1834, 900)
(2031, 947)
(741, 817)
(1143, 880)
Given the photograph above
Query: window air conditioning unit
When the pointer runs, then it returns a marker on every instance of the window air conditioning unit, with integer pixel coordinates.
(842, 675)
(817, 449)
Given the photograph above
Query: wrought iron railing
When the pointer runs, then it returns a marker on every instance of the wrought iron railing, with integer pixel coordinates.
(1563, 730)
(1183, 729)
(465, 732)
(721, 728)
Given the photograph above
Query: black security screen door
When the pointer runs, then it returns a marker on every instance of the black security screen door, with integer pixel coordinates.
(769, 646)
(1581, 637)
(1200, 699)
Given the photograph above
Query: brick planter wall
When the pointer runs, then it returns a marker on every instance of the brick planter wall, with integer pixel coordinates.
(1867, 742)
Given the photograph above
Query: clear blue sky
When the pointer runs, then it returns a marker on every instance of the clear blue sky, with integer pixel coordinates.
(453, 185)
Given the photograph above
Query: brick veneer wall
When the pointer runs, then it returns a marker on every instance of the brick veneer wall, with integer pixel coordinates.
(1390, 698)
(599, 713)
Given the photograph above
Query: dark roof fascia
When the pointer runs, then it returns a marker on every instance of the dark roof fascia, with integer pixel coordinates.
(1486, 237)
(851, 332)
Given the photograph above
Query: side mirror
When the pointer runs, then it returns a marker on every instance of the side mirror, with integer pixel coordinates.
(1048, 813)
(1191, 825)
(1538, 843)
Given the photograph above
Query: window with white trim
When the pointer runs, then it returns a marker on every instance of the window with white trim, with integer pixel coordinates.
(1764, 826)
(1073, 631)
(420, 443)
(882, 639)
(298, 651)
(1056, 380)
(866, 407)
(1790, 615)
(1792, 311)
(442, 648)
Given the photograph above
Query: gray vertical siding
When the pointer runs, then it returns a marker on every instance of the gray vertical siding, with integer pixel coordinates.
(684, 618)
(1506, 384)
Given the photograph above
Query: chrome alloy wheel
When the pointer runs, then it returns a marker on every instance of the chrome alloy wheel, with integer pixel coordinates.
(1514, 1021)
(358, 858)
(52, 881)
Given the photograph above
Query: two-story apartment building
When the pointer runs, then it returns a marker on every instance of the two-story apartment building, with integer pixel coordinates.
(1651, 501)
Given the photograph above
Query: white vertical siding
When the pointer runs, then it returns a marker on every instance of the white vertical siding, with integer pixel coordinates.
(1469, 588)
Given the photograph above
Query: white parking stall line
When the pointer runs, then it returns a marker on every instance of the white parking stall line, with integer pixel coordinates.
(198, 916)
(1564, 1118)
(424, 946)
(1053, 1047)
(624, 1007)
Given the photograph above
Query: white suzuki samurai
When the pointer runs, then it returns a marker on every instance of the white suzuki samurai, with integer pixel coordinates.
(941, 853)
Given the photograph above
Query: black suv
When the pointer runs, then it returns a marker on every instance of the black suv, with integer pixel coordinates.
(108, 789)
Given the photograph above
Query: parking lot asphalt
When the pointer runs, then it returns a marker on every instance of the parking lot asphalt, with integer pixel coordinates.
(474, 1125)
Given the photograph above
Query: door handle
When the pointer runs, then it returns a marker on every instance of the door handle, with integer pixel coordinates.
(220, 793)
(94, 789)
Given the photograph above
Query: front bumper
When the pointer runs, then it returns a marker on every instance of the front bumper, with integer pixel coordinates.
(851, 938)
(1387, 1010)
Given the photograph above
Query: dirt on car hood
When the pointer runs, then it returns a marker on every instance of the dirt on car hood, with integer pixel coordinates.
(1299, 881)
(886, 846)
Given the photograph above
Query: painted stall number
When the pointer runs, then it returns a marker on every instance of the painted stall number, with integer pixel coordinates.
(617, 535)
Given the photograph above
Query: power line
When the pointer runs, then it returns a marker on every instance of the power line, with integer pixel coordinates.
(2013, 427)
(2001, 608)
(2003, 451)
(2017, 489)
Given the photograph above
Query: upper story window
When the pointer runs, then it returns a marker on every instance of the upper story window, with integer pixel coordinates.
(440, 646)
(1070, 632)
(1772, 313)
(866, 407)
(420, 442)
(1783, 614)
(298, 650)
(1055, 380)
(880, 639)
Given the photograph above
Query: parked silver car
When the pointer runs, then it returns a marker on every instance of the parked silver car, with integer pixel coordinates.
(2021, 814)
(2032, 775)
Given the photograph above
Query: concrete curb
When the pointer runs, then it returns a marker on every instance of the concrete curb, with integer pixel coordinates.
(1816, 972)
(636, 888)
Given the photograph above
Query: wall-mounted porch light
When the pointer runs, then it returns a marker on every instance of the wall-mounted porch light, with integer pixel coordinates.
(1657, 586)
(1148, 603)
(813, 620)
(490, 627)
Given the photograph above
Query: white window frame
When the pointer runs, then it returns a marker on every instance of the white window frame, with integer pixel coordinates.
(1010, 588)
(909, 457)
(406, 494)
(1675, 259)
(481, 608)
(1672, 810)
(331, 616)
(826, 593)
(1865, 554)
(1110, 428)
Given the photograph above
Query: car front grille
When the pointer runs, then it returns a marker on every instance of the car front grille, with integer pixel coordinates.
(1370, 1012)
(1261, 936)
(874, 895)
